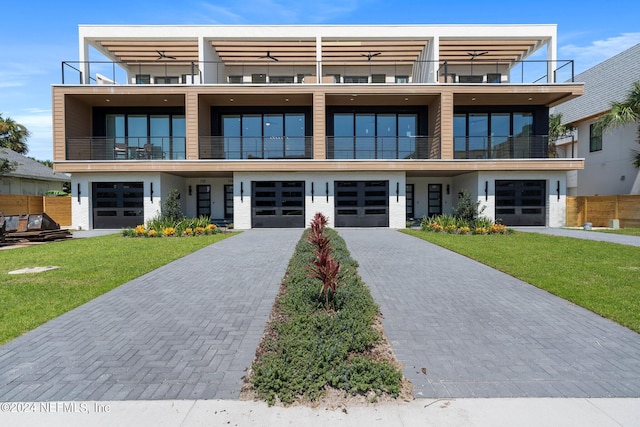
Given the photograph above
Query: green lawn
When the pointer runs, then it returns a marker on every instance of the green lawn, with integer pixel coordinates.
(626, 231)
(88, 268)
(602, 277)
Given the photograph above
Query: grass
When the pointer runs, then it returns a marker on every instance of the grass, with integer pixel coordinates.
(88, 268)
(307, 349)
(625, 231)
(602, 277)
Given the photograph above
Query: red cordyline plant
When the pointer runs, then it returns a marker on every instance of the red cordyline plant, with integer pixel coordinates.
(325, 267)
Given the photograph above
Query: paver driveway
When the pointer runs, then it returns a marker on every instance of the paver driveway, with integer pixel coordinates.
(481, 333)
(185, 331)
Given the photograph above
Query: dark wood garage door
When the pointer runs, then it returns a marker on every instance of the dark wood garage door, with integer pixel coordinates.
(277, 204)
(521, 202)
(117, 204)
(362, 203)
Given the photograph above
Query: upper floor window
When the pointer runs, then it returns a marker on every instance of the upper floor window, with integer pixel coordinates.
(143, 79)
(402, 79)
(595, 138)
(165, 80)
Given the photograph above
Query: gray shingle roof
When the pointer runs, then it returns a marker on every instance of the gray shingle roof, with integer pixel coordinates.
(29, 168)
(607, 82)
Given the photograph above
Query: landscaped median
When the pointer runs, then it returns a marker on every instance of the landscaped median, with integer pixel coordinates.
(602, 277)
(317, 339)
(88, 268)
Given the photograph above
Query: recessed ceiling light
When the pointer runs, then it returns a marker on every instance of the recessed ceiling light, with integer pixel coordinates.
(230, 99)
(350, 99)
(406, 99)
(530, 99)
(286, 99)
(108, 100)
(473, 99)
(165, 100)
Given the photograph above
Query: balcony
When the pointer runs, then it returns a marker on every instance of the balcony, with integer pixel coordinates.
(332, 72)
(382, 147)
(501, 147)
(256, 148)
(131, 148)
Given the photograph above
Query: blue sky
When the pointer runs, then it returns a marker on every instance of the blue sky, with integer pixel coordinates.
(37, 35)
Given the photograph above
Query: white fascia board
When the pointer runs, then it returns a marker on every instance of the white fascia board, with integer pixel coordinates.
(509, 31)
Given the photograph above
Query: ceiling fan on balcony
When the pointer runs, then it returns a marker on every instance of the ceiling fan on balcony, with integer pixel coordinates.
(370, 55)
(475, 54)
(269, 56)
(163, 55)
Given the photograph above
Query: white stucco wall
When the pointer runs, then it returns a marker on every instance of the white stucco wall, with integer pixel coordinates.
(319, 202)
(608, 171)
(217, 195)
(421, 194)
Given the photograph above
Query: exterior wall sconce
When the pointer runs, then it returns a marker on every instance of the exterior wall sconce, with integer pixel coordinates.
(558, 189)
(486, 190)
(448, 189)
(151, 191)
(397, 192)
(241, 191)
(312, 192)
(190, 190)
(79, 193)
(327, 190)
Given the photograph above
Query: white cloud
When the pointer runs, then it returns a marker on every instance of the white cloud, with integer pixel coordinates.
(599, 50)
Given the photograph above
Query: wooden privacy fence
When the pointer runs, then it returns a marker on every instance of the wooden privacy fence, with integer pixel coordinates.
(598, 210)
(58, 208)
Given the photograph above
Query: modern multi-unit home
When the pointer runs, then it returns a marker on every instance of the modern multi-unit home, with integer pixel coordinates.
(608, 155)
(263, 126)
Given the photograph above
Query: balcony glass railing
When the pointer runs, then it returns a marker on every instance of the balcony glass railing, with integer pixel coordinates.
(253, 148)
(501, 147)
(126, 148)
(333, 72)
(382, 147)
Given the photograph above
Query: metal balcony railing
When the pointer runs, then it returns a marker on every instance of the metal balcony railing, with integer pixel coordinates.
(126, 148)
(252, 148)
(333, 72)
(501, 147)
(382, 147)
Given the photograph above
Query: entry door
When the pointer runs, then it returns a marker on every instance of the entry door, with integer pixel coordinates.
(117, 204)
(228, 202)
(409, 198)
(362, 203)
(435, 200)
(521, 202)
(204, 200)
(277, 204)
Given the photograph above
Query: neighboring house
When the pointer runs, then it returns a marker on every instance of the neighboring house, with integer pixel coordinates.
(29, 177)
(608, 155)
(267, 125)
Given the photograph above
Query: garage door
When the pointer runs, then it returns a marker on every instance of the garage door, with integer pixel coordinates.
(521, 202)
(117, 204)
(277, 204)
(362, 203)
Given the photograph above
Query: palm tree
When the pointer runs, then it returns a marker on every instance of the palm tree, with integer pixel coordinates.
(556, 131)
(13, 135)
(625, 112)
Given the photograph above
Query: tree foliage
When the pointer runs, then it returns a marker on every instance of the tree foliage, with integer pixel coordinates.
(171, 209)
(13, 135)
(557, 130)
(625, 112)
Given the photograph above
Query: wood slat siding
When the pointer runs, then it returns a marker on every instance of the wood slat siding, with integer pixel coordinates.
(598, 210)
(58, 208)
(319, 126)
(191, 114)
(446, 126)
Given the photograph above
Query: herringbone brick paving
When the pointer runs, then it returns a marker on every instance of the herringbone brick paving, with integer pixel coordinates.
(480, 333)
(187, 330)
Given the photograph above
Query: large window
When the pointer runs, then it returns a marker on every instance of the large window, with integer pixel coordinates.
(373, 135)
(595, 138)
(150, 136)
(496, 135)
(264, 136)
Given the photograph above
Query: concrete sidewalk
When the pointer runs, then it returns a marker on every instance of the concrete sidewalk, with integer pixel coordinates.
(419, 413)
(621, 239)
